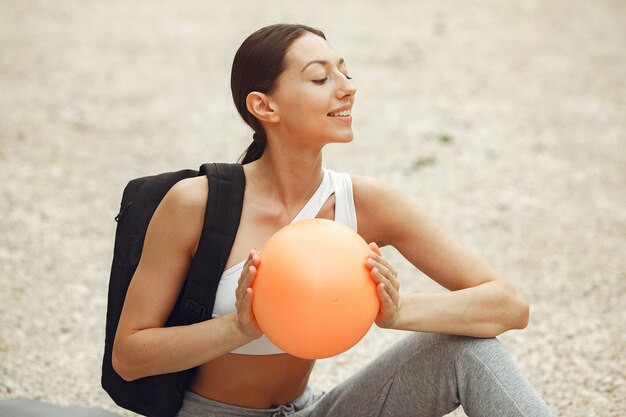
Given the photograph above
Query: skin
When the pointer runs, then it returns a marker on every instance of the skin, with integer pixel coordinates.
(480, 303)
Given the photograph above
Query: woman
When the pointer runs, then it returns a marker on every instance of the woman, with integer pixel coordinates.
(294, 91)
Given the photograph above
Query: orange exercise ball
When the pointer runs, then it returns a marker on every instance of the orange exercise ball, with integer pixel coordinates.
(313, 295)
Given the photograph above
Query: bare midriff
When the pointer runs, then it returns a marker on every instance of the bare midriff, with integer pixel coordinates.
(253, 381)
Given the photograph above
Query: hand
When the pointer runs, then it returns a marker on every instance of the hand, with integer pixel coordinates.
(243, 297)
(387, 287)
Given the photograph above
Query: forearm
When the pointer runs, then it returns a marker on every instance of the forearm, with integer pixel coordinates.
(486, 310)
(171, 349)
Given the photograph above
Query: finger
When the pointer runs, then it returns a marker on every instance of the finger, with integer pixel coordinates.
(250, 260)
(253, 259)
(250, 276)
(378, 277)
(393, 278)
(385, 299)
(245, 281)
(384, 270)
(393, 293)
(244, 273)
(374, 247)
(381, 260)
(242, 305)
(246, 301)
(244, 270)
(389, 286)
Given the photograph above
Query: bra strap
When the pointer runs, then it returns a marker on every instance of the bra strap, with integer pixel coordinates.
(317, 200)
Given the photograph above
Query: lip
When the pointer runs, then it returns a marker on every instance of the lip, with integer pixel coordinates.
(347, 107)
(342, 119)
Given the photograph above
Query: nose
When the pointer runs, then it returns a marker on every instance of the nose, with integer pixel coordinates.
(345, 88)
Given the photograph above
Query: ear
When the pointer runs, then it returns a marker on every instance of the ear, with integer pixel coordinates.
(261, 107)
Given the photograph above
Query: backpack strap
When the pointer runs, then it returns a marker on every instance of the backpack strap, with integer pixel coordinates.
(142, 196)
(221, 221)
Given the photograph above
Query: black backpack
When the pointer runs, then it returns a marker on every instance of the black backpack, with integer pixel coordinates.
(161, 395)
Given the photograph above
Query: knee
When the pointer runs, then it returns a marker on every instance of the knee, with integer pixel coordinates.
(451, 346)
(441, 357)
(480, 348)
(475, 354)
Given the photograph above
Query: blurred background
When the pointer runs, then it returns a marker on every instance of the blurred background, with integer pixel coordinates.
(505, 121)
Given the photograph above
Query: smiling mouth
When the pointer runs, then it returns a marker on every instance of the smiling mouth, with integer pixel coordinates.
(343, 113)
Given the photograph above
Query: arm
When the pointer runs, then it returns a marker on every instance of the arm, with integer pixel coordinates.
(481, 303)
(142, 346)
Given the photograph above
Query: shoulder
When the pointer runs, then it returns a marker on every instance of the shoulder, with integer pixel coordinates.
(179, 217)
(379, 207)
(371, 192)
(190, 192)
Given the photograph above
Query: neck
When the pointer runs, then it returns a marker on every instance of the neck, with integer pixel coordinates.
(288, 176)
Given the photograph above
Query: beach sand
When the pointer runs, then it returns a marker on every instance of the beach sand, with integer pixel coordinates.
(505, 121)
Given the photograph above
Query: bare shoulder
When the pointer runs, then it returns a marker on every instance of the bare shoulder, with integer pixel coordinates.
(362, 181)
(190, 192)
(179, 217)
(371, 193)
(378, 206)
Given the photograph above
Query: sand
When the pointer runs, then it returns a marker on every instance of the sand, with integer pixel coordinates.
(505, 121)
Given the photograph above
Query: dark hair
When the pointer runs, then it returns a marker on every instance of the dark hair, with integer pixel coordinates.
(258, 63)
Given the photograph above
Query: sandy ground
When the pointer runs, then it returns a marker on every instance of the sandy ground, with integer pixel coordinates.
(505, 120)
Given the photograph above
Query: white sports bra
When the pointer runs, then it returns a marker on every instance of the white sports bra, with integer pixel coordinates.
(339, 184)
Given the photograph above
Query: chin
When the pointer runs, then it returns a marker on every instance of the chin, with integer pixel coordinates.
(346, 138)
(349, 138)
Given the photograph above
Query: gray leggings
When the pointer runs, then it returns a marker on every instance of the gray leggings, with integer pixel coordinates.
(422, 375)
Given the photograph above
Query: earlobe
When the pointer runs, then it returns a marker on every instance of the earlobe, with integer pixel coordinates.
(260, 106)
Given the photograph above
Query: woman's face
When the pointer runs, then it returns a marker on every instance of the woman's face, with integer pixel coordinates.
(314, 95)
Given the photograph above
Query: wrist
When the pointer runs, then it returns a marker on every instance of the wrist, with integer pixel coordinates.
(403, 319)
(397, 318)
(242, 333)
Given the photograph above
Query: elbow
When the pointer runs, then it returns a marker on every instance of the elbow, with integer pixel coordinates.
(514, 310)
(122, 366)
(122, 370)
(523, 315)
(513, 317)
(519, 311)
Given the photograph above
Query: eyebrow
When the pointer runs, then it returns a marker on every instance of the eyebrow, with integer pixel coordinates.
(322, 62)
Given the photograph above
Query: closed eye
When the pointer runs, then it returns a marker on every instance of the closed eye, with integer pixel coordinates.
(323, 80)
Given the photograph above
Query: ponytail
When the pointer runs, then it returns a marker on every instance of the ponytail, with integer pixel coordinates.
(255, 150)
